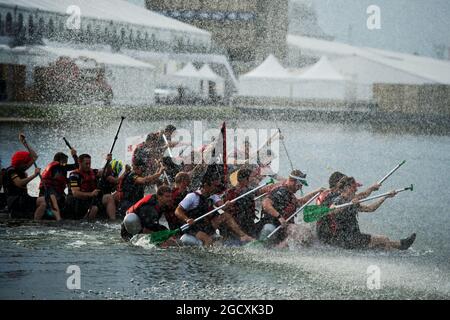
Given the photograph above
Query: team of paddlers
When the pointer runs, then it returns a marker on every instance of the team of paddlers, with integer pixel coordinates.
(185, 195)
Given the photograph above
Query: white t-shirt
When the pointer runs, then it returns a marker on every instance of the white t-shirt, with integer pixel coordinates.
(192, 200)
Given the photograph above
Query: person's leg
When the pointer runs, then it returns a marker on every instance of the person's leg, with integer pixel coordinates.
(110, 205)
(40, 208)
(383, 242)
(92, 213)
(56, 211)
(203, 237)
(267, 229)
(298, 235)
(231, 224)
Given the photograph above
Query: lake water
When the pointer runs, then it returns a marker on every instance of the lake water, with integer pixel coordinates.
(34, 257)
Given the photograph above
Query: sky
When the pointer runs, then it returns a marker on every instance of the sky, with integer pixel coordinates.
(411, 26)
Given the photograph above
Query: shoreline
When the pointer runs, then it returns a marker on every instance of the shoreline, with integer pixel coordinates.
(366, 115)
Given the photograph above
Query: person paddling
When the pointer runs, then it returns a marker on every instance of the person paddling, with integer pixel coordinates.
(84, 192)
(348, 234)
(282, 203)
(132, 184)
(149, 211)
(197, 203)
(54, 182)
(20, 204)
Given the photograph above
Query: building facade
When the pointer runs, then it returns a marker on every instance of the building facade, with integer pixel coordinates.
(246, 31)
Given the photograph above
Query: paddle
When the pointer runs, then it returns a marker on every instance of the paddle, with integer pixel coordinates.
(264, 241)
(171, 156)
(49, 207)
(391, 172)
(161, 236)
(67, 143)
(314, 212)
(102, 178)
(285, 149)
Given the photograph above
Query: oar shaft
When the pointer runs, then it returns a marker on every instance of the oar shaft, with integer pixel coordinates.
(369, 198)
(117, 134)
(391, 172)
(67, 143)
(261, 196)
(295, 213)
(167, 178)
(285, 149)
(168, 145)
(185, 226)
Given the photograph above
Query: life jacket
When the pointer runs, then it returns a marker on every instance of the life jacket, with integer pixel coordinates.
(147, 200)
(203, 207)
(57, 182)
(128, 190)
(329, 219)
(289, 208)
(171, 218)
(148, 217)
(88, 180)
(244, 208)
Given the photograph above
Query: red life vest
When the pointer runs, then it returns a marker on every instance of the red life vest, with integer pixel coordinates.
(88, 180)
(57, 182)
(148, 199)
(330, 219)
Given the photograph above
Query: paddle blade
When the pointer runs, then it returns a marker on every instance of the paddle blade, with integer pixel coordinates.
(256, 244)
(314, 213)
(159, 237)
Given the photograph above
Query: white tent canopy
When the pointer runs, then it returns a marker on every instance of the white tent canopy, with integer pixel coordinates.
(322, 70)
(270, 79)
(189, 71)
(270, 68)
(322, 82)
(207, 73)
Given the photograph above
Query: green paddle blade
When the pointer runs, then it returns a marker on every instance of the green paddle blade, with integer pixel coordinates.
(159, 237)
(314, 213)
(256, 244)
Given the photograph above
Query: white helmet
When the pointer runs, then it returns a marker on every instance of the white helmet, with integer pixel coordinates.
(132, 223)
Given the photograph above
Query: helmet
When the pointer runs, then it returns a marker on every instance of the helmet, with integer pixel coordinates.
(132, 223)
(116, 166)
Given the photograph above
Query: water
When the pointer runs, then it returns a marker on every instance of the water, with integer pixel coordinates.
(34, 257)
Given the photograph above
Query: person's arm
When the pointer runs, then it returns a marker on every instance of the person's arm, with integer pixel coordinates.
(24, 142)
(182, 215)
(268, 207)
(364, 194)
(374, 206)
(71, 167)
(301, 201)
(150, 178)
(21, 183)
(77, 193)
